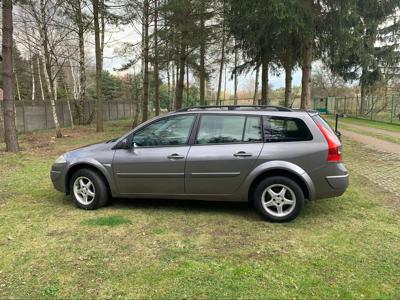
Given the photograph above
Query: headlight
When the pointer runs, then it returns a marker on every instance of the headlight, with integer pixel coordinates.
(60, 160)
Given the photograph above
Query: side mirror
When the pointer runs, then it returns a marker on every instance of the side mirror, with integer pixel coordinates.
(124, 144)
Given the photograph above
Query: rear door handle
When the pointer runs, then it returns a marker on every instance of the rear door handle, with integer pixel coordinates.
(176, 156)
(242, 154)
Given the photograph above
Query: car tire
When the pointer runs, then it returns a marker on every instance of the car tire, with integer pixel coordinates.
(88, 189)
(278, 199)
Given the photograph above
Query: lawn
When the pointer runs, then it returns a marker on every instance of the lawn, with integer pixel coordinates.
(364, 122)
(347, 247)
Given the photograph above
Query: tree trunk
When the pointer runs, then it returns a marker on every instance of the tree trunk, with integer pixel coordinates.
(202, 72)
(363, 89)
(224, 85)
(145, 57)
(264, 82)
(187, 84)
(99, 67)
(40, 76)
(102, 10)
(255, 96)
(1, 123)
(82, 67)
(169, 85)
(17, 84)
(173, 89)
(156, 71)
(48, 67)
(306, 70)
(33, 77)
(235, 80)
(221, 65)
(31, 66)
(181, 78)
(10, 130)
(288, 84)
(71, 118)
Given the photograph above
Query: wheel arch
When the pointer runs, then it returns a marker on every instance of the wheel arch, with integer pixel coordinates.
(285, 169)
(85, 165)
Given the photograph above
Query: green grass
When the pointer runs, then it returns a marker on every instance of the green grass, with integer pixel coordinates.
(110, 221)
(345, 123)
(366, 123)
(347, 247)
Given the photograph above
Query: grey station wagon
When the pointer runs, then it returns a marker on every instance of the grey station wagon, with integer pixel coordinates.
(273, 156)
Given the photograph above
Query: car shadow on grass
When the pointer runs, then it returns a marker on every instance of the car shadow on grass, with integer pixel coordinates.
(245, 210)
(241, 209)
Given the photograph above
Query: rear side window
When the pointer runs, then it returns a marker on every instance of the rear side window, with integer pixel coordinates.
(285, 129)
(223, 129)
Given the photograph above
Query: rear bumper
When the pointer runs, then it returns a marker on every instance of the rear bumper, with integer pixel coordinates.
(334, 186)
(339, 182)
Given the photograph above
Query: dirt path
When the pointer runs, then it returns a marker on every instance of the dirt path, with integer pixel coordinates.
(372, 142)
(380, 159)
(373, 130)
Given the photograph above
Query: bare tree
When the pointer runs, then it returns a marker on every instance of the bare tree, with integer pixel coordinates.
(74, 9)
(156, 62)
(235, 77)
(202, 71)
(222, 60)
(10, 130)
(99, 67)
(145, 57)
(50, 78)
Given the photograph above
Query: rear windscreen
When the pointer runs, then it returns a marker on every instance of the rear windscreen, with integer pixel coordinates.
(319, 120)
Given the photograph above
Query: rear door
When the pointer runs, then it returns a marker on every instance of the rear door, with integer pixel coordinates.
(156, 162)
(225, 149)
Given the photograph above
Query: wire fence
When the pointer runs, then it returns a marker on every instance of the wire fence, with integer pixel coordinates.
(38, 115)
(382, 109)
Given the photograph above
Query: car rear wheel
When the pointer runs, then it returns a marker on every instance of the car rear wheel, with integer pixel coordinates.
(278, 199)
(88, 189)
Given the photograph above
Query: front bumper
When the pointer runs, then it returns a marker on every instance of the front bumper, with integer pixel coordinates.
(57, 175)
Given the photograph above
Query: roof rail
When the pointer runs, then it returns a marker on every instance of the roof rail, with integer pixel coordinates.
(235, 107)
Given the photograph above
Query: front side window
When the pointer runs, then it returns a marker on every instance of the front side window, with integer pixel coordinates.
(285, 129)
(223, 129)
(172, 131)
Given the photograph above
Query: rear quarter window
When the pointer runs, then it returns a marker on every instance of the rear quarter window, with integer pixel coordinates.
(285, 129)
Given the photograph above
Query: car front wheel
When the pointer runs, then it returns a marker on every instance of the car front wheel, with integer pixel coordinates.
(278, 199)
(88, 189)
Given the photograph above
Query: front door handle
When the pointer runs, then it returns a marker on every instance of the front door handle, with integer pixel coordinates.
(176, 156)
(242, 154)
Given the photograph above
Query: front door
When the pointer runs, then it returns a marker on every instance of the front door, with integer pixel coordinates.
(156, 162)
(225, 151)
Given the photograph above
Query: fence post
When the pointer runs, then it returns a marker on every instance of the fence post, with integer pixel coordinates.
(372, 110)
(345, 104)
(109, 111)
(23, 115)
(357, 106)
(116, 104)
(392, 110)
(336, 105)
(62, 113)
(45, 112)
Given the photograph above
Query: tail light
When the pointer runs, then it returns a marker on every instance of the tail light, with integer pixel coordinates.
(334, 145)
